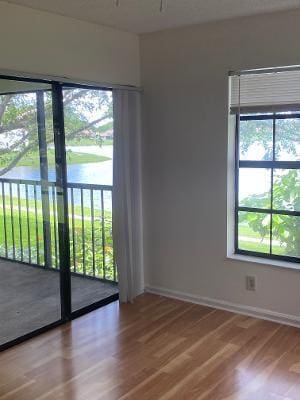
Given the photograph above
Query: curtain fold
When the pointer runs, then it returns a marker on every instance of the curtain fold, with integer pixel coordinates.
(127, 194)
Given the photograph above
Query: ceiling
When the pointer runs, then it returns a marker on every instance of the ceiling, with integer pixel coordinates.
(142, 16)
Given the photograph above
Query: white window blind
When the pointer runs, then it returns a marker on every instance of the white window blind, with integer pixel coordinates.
(263, 92)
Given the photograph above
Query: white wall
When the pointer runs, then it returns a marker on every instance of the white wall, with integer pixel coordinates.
(184, 75)
(44, 43)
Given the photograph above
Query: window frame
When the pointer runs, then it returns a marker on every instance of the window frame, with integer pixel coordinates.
(272, 165)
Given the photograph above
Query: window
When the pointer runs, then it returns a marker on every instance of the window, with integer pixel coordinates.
(266, 107)
(267, 184)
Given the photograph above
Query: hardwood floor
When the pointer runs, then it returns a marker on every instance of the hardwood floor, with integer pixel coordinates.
(157, 349)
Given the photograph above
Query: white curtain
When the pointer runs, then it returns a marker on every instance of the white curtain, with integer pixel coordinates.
(127, 193)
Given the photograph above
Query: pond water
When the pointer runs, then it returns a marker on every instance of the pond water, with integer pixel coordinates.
(99, 173)
(96, 173)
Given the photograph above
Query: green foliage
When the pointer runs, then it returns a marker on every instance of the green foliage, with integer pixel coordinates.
(84, 112)
(35, 240)
(286, 185)
(87, 114)
(103, 261)
(31, 159)
(256, 132)
(257, 222)
(286, 191)
(260, 132)
(285, 229)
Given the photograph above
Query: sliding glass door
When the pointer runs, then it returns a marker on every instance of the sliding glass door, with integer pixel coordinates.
(56, 247)
(29, 269)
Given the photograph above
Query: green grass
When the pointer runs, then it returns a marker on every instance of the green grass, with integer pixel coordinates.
(108, 142)
(35, 241)
(89, 142)
(263, 247)
(32, 159)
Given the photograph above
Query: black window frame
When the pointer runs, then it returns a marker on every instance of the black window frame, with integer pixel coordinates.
(273, 164)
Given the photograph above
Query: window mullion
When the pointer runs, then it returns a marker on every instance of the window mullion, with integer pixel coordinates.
(269, 164)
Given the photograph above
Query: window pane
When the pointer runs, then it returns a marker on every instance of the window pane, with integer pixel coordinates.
(286, 189)
(254, 232)
(88, 117)
(255, 187)
(89, 135)
(30, 296)
(286, 235)
(256, 140)
(287, 139)
(19, 153)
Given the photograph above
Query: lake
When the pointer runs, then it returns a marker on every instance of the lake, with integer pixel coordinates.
(100, 173)
(95, 173)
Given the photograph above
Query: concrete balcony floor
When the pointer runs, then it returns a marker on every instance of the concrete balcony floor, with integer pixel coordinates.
(30, 297)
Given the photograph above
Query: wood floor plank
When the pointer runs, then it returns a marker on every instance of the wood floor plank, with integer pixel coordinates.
(156, 349)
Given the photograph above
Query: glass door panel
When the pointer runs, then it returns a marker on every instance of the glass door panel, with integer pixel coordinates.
(29, 267)
(89, 151)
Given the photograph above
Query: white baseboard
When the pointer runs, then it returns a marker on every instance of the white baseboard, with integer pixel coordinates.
(261, 313)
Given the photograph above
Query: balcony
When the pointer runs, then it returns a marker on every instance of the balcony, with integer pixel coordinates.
(29, 248)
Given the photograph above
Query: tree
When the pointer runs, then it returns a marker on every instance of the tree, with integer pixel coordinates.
(259, 133)
(285, 229)
(84, 110)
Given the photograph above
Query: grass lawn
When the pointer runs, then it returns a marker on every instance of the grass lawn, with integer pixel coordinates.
(89, 142)
(32, 159)
(251, 241)
(83, 237)
(30, 230)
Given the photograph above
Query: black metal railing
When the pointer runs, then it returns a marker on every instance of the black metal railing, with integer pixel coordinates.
(29, 226)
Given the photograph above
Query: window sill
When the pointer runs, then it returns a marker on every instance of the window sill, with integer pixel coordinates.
(264, 261)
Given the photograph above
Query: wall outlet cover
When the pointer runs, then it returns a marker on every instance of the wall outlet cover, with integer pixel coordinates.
(251, 283)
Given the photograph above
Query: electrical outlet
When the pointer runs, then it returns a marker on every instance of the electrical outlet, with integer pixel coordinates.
(251, 283)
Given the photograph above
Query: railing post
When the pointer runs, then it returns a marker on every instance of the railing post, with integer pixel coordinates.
(44, 177)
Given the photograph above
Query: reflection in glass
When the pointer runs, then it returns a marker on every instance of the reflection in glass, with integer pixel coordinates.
(254, 232)
(256, 140)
